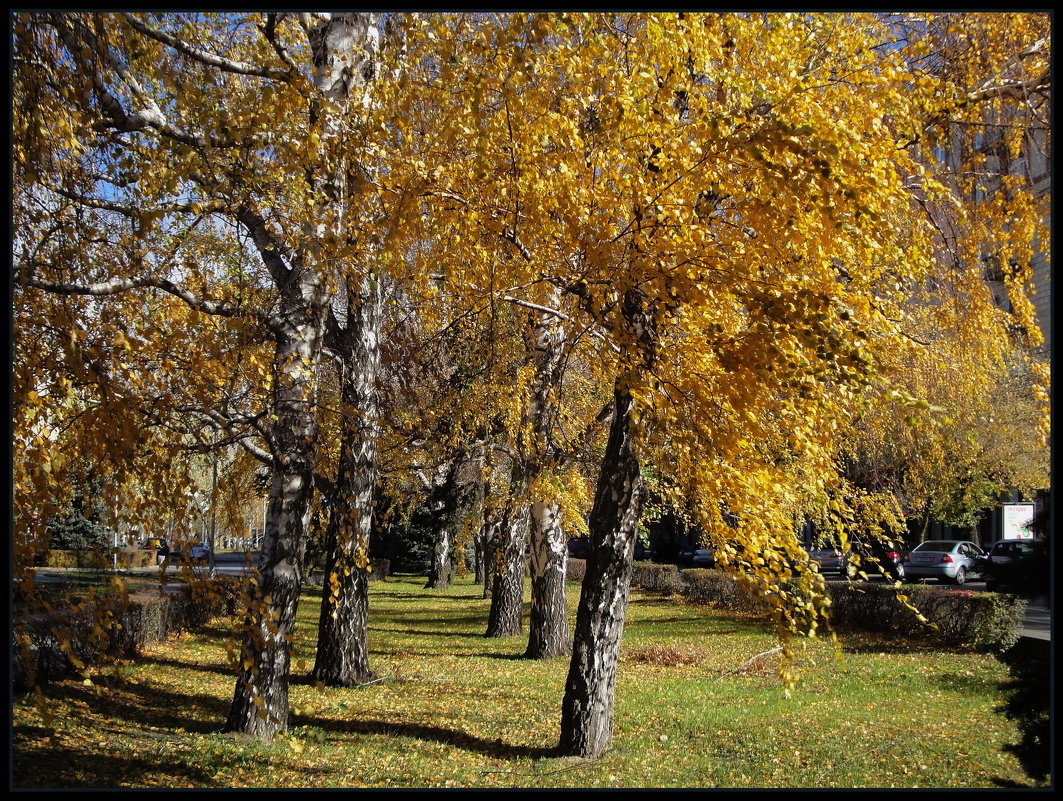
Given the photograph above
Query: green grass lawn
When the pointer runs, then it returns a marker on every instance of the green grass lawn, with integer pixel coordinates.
(453, 709)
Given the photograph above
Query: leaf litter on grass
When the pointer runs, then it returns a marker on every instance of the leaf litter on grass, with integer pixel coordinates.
(463, 711)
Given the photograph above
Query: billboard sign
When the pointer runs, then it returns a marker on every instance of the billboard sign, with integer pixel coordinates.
(1016, 518)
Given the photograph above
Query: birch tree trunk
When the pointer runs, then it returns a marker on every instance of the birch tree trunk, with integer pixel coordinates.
(342, 648)
(587, 709)
(260, 700)
(548, 631)
(590, 690)
(490, 541)
(342, 46)
(507, 595)
(442, 567)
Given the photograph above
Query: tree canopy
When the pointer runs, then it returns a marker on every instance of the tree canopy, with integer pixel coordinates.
(759, 235)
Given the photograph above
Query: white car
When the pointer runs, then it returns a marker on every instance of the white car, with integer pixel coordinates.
(952, 561)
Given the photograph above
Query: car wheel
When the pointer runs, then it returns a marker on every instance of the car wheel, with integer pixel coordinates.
(899, 573)
(961, 576)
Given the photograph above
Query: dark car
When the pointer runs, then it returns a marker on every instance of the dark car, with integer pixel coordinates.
(1017, 565)
(696, 557)
(1004, 551)
(578, 547)
(874, 555)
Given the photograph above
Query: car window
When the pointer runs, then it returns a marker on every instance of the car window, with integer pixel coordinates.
(937, 546)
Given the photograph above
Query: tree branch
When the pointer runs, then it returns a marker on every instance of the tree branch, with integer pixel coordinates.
(269, 31)
(136, 212)
(116, 286)
(265, 243)
(208, 59)
(82, 44)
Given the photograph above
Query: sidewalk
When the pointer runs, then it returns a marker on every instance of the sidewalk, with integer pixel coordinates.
(1038, 623)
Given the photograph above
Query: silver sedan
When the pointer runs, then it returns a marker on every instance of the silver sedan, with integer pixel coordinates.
(953, 561)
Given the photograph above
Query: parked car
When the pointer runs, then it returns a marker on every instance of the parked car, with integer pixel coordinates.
(1020, 565)
(578, 547)
(199, 553)
(829, 558)
(875, 555)
(696, 557)
(945, 560)
(1003, 551)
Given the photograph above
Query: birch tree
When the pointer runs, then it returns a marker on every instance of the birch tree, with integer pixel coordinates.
(176, 121)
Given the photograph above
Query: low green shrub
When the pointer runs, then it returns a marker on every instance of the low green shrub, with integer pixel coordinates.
(715, 587)
(125, 558)
(656, 578)
(986, 621)
(575, 570)
(62, 640)
(86, 560)
(136, 557)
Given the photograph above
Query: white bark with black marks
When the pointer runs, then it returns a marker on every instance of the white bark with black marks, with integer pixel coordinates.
(342, 647)
(590, 690)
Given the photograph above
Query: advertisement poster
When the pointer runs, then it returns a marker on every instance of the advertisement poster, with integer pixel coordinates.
(1016, 516)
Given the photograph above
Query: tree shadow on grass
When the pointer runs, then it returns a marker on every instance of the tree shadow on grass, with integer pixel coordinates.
(180, 665)
(882, 645)
(424, 632)
(434, 595)
(148, 706)
(76, 770)
(508, 657)
(436, 734)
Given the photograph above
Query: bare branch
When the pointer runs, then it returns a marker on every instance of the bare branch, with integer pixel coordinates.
(82, 44)
(276, 261)
(510, 236)
(137, 212)
(116, 286)
(269, 30)
(1017, 89)
(203, 57)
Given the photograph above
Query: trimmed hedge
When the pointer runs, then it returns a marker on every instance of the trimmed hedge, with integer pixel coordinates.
(983, 620)
(89, 633)
(656, 578)
(708, 586)
(99, 560)
(575, 570)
